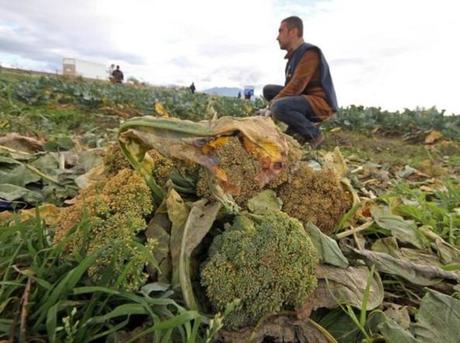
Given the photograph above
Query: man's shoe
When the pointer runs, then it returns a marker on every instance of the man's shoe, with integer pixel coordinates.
(299, 138)
(317, 141)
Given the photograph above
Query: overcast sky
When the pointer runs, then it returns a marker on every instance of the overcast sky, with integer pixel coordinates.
(392, 53)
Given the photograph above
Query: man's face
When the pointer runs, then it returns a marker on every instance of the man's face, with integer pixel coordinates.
(285, 36)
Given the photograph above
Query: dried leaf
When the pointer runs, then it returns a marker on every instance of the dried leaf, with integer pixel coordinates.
(348, 286)
(280, 328)
(399, 314)
(184, 140)
(419, 274)
(20, 143)
(335, 161)
(159, 228)
(433, 136)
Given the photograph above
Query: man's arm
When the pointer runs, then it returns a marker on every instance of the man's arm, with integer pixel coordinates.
(302, 75)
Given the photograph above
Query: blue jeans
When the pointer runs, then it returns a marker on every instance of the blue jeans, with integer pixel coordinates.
(295, 111)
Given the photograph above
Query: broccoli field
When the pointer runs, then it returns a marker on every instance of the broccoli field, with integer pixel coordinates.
(133, 213)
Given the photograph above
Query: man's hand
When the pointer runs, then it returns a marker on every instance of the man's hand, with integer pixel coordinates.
(264, 112)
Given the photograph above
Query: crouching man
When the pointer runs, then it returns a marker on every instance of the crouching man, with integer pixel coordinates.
(308, 96)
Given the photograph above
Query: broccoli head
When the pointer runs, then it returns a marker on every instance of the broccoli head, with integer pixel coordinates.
(109, 214)
(267, 261)
(114, 160)
(294, 155)
(240, 168)
(314, 196)
(162, 167)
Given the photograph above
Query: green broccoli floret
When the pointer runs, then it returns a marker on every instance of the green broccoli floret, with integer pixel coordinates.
(113, 212)
(268, 262)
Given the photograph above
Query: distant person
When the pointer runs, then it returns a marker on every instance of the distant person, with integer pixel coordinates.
(110, 72)
(239, 95)
(117, 75)
(308, 96)
(248, 93)
(192, 88)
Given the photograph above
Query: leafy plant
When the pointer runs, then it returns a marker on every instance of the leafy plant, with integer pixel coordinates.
(436, 210)
(45, 293)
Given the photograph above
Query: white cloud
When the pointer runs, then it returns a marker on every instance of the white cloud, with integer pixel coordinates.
(391, 53)
(399, 53)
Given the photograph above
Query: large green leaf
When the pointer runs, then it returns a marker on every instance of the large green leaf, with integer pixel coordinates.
(15, 172)
(391, 331)
(403, 230)
(8, 163)
(438, 319)
(341, 326)
(11, 192)
(177, 212)
(19, 176)
(48, 164)
(328, 249)
(202, 215)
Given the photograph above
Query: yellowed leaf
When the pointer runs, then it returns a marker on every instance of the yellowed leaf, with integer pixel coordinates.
(215, 143)
(5, 215)
(334, 160)
(48, 212)
(433, 136)
(427, 189)
(4, 123)
(160, 110)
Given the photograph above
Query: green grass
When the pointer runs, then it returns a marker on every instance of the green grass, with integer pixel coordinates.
(436, 210)
(46, 295)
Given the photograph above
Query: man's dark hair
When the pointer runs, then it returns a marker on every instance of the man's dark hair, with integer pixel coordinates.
(294, 23)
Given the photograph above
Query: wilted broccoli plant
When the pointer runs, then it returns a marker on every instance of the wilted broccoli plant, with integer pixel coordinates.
(112, 213)
(314, 196)
(267, 261)
(240, 169)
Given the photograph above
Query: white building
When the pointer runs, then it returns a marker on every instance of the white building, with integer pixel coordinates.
(91, 70)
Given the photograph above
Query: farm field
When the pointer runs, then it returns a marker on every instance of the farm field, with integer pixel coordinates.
(132, 213)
